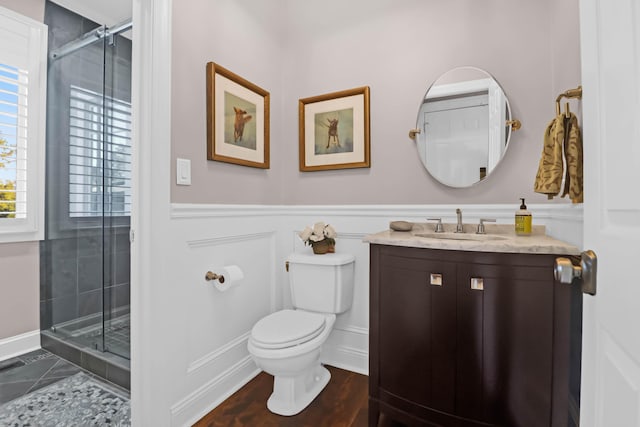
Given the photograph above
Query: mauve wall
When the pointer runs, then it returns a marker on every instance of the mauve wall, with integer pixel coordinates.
(298, 49)
(20, 262)
(565, 42)
(246, 37)
(34, 9)
(19, 309)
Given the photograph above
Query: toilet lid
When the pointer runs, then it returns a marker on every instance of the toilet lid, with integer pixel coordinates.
(287, 328)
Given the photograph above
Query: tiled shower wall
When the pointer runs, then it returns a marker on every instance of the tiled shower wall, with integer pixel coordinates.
(71, 276)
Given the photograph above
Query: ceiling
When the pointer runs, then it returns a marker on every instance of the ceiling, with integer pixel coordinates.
(109, 12)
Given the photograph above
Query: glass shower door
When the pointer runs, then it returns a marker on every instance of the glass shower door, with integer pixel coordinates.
(117, 194)
(72, 259)
(85, 257)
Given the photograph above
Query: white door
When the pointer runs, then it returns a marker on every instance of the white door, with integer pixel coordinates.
(610, 40)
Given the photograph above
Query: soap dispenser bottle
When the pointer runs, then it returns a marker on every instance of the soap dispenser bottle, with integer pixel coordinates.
(523, 220)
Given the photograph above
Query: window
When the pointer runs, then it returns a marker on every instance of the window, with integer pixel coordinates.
(99, 155)
(23, 44)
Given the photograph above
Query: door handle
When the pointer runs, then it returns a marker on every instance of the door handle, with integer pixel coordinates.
(564, 271)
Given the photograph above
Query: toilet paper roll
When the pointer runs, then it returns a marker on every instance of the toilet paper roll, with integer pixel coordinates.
(231, 276)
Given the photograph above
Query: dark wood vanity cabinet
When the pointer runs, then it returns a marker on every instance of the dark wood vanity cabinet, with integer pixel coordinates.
(468, 338)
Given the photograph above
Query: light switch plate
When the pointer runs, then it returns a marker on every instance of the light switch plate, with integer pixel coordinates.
(183, 171)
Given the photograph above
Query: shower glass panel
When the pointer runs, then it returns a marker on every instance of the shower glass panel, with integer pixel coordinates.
(85, 258)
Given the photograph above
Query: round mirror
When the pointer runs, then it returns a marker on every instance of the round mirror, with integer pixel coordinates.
(463, 127)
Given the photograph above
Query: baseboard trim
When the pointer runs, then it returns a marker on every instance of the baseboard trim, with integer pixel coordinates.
(347, 358)
(211, 394)
(19, 344)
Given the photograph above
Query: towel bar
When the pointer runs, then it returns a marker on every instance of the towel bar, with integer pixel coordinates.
(570, 93)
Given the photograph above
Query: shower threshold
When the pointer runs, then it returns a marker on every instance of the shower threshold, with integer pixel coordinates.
(88, 332)
(76, 342)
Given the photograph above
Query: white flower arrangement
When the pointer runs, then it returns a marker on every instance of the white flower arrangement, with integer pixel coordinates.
(319, 233)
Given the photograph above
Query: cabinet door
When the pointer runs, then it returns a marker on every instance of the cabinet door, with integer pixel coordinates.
(417, 330)
(505, 338)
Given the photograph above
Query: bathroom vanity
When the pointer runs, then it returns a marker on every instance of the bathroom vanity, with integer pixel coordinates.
(471, 330)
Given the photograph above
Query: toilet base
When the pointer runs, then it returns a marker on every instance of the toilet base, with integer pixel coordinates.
(291, 394)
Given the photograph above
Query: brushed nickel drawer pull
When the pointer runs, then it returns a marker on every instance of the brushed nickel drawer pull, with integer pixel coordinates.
(477, 283)
(436, 279)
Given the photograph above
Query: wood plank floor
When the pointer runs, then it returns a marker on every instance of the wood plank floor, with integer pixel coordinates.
(343, 403)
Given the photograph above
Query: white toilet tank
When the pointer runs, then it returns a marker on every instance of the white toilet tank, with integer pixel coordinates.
(322, 283)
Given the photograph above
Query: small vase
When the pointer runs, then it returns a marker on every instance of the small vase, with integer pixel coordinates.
(332, 248)
(321, 247)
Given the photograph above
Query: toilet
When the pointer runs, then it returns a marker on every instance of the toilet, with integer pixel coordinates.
(287, 343)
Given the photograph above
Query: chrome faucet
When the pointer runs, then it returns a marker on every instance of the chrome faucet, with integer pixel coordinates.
(459, 228)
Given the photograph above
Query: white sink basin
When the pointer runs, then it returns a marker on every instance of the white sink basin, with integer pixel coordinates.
(461, 236)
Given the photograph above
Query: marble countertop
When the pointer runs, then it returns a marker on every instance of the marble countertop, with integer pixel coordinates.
(498, 238)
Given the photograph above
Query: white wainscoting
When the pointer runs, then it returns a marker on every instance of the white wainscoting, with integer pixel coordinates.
(258, 239)
(214, 325)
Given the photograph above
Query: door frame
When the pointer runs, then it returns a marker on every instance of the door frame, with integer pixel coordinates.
(151, 100)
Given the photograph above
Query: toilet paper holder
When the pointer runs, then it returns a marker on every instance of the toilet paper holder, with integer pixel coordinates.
(213, 276)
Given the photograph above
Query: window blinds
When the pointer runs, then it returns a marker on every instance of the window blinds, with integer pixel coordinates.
(99, 155)
(13, 141)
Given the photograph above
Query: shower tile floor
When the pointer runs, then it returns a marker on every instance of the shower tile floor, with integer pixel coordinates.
(29, 372)
(116, 338)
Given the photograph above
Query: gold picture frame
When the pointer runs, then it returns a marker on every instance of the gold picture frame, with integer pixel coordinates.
(334, 130)
(237, 119)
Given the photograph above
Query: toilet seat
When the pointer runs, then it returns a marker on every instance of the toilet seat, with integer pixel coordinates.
(287, 328)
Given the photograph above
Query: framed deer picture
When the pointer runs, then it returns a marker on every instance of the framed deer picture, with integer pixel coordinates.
(334, 130)
(237, 119)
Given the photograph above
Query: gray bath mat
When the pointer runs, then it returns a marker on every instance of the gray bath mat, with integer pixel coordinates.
(75, 401)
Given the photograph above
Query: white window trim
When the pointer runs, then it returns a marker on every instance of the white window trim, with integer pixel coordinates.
(31, 228)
